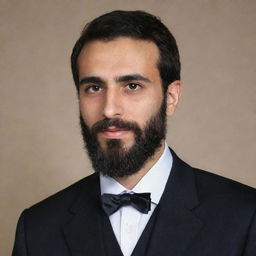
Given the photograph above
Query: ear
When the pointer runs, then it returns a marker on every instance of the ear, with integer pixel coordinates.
(173, 94)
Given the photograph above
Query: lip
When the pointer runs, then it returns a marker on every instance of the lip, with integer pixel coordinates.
(113, 132)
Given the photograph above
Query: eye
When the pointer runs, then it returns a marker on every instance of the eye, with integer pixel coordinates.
(93, 88)
(133, 86)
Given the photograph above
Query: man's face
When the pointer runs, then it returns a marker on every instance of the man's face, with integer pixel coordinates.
(120, 95)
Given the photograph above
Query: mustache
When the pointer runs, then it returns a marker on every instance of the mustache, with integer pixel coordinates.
(104, 124)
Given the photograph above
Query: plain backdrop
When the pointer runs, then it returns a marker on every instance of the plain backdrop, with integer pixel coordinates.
(41, 147)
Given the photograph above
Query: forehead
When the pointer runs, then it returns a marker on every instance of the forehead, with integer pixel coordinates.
(120, 55)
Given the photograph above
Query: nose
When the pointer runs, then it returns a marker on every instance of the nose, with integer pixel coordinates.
(113, 104)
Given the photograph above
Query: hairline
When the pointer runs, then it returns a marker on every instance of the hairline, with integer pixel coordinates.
(113, 38)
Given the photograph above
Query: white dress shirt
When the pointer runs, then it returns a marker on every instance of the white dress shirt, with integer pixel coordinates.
(128, 223)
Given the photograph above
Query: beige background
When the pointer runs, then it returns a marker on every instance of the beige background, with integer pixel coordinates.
(41, 147)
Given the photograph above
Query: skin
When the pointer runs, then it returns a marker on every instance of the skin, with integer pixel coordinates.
(120, 79)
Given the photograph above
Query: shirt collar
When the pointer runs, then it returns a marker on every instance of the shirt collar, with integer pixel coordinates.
(153, 181)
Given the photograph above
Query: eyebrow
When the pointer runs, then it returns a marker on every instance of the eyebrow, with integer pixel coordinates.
(132, 77)
(124, 78)
(90, 79)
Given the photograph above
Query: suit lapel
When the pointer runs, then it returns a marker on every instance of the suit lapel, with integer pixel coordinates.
(176, 225)
(83, 232)
(174, 229)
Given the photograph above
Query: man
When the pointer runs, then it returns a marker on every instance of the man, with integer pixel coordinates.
(142, 199)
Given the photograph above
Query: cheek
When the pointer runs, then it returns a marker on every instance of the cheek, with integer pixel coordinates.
(88, 112)
(143, 110)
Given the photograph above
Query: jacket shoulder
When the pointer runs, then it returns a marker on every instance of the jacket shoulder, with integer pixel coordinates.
(215, 186)
(61, 201)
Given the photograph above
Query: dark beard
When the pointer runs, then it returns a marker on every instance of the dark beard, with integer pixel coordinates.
(116, 161)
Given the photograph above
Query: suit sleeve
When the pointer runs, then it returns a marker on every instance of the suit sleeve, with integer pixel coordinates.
(20, 248)
(250, 249)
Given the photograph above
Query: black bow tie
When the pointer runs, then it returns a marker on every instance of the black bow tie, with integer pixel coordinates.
(111, 203)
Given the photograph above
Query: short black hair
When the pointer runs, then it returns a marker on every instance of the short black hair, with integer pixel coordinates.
(133, 24)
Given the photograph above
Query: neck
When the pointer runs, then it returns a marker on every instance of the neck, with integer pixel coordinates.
(130, 182)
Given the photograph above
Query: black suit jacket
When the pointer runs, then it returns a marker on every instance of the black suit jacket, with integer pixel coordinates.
(199, 214)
